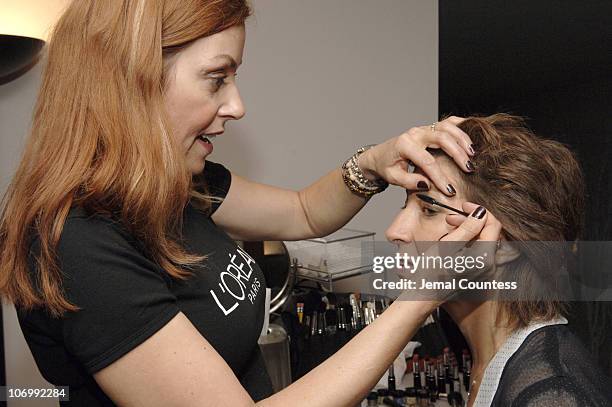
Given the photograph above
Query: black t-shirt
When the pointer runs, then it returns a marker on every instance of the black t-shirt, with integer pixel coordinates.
(552, 369)
(125, 298)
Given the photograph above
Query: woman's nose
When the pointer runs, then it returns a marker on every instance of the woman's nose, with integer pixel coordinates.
(399, 232)
(233, 108)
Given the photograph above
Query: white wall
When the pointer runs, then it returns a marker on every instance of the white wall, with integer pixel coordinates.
(320, 78)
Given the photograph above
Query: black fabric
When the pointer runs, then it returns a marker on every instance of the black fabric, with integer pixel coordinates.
(553, 369)
(125, 298)
(217, 179)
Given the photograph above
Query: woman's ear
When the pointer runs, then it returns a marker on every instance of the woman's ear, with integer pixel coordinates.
(505, 253)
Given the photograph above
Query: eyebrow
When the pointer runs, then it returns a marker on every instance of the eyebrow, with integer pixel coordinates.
(433, 192)
(228, 62)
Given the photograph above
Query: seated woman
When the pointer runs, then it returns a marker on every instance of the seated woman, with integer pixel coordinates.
(523, 352)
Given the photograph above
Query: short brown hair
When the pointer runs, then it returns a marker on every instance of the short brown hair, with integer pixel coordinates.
(535, 188)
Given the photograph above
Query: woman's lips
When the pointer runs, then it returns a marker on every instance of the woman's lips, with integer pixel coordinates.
(206, 145)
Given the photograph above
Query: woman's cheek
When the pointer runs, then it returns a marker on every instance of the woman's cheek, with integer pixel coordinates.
(429, 229)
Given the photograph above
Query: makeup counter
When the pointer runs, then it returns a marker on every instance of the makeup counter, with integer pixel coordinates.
(312, 317)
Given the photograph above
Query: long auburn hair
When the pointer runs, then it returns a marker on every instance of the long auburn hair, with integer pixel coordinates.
(100, 139)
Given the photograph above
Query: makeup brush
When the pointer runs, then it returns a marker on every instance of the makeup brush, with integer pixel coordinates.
(431, 201)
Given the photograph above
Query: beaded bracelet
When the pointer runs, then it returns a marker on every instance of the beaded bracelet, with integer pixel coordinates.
(356, 181)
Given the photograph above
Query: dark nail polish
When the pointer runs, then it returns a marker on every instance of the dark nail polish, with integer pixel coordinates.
(422, 186)
(472, 149)
(470, 165)
(479, 213)
(451, 190)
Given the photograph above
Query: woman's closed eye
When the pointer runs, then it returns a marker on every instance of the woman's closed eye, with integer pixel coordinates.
(218, 82)
(426, 210)
(429, 211)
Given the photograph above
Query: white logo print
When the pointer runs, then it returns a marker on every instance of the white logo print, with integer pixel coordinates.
(234, 282)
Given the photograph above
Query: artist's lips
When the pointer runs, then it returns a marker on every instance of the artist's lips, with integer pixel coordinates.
(206, 141)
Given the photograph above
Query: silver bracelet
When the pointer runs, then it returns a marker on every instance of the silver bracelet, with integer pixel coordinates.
(356, 181)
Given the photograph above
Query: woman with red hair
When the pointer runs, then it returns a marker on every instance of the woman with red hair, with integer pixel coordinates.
(117, 235)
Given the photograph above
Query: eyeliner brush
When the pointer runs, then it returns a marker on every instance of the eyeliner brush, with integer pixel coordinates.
(431, 201)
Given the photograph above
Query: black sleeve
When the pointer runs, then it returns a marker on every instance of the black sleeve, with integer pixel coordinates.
(558, 392)
(123, 296)
(218, 180)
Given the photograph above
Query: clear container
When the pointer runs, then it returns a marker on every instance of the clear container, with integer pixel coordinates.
(345, 253)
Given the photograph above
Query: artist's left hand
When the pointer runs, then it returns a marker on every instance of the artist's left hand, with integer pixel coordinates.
(389, 160)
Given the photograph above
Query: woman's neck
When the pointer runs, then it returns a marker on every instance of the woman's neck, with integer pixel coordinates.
(476, 320)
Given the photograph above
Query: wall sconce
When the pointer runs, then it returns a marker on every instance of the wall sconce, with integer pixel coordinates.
(24, 29)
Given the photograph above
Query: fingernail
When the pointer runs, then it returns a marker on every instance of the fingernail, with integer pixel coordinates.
(472, 149)
(470, 165)
(479, 213)
(422, 186)
(451, 190)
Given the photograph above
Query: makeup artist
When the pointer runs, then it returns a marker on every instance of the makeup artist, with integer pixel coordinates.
(118, 236)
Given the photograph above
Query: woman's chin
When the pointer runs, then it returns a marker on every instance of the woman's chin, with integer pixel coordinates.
(196, 167)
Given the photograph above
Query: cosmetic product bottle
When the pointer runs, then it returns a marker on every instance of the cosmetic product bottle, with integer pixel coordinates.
(391, 379)
(368, 313)
(430, 380)
(446, 358)
(450, 384)
(388, 401)
(342, 325)
(382, 393)
(331, 318)
(456, 381)
(356, 322)
(422, 397)
(300, 311)
(433, 396)
(331, 321)
(321, 326)
(411, 400)
(314, 321)
(372, 399)
(441, 377)
(465, 355)
(467, 373)
(400, 397)
(416, 371)
(448, 375)
(307, 319)
(455, 399)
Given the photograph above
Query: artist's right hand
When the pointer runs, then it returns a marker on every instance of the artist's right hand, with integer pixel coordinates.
(484, 229)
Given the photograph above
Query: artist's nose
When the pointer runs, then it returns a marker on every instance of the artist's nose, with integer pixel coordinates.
(400, 231)
(233, 108)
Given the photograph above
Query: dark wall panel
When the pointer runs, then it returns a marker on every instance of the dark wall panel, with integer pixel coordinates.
(551, 61)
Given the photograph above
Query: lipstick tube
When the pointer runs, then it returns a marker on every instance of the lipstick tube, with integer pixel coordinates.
(416, 371)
